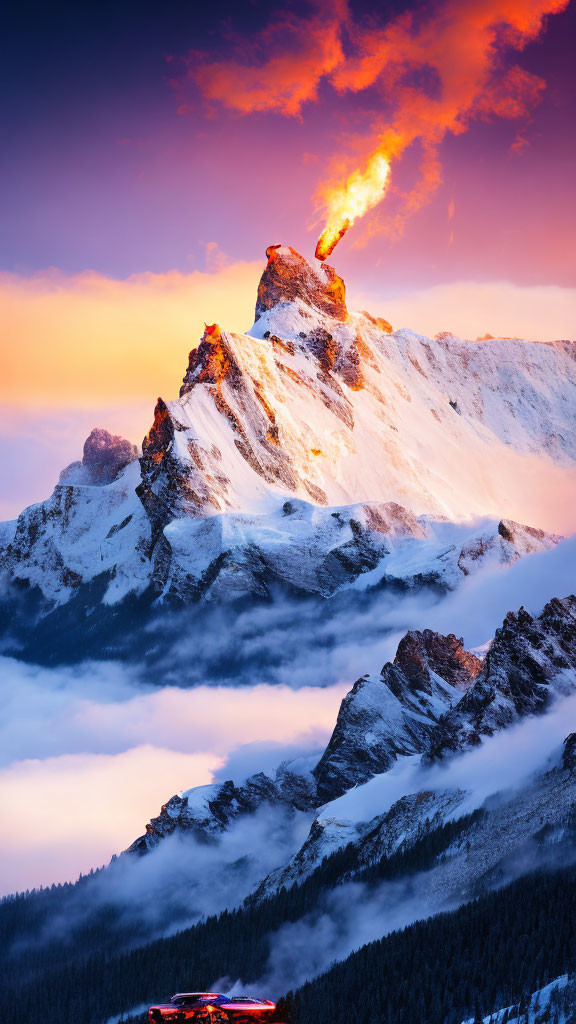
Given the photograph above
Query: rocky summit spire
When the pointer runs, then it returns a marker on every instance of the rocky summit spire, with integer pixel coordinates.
(211, 362)
(288, 278)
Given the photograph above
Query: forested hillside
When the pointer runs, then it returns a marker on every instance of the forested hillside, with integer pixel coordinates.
(481, 956)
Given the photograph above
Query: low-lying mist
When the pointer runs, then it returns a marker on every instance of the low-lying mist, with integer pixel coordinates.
(88, 756)
(289, 640)
(355, 913)
(90, 751)
(182, 881)
(314, 642)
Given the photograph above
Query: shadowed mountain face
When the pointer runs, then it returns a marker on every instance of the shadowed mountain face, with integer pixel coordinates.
(319, 452)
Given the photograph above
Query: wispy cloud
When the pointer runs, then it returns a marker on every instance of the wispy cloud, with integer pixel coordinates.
(472, 309)
(95, 754)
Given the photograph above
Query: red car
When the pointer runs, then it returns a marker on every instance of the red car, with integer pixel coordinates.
(212, 1008)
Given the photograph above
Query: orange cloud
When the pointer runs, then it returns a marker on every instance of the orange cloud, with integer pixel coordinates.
(282, 67)
(441, 71)
(437, 69)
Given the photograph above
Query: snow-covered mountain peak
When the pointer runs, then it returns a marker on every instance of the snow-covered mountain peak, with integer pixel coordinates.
(320, 450)
(435, 700)
(305, 306)
(331, 407)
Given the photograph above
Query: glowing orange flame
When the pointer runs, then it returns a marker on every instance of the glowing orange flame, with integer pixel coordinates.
(360, 192)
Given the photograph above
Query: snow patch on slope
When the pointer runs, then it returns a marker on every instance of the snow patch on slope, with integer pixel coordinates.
(554, 1003)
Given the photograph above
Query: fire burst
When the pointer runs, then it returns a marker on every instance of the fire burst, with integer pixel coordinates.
(361, 191)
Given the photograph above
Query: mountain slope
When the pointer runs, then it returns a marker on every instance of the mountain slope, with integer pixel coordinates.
(489, 951)
(483, 955)
(396, 713)
(531, 661)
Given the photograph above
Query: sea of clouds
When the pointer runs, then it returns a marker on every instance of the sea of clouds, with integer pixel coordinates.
(90, 752)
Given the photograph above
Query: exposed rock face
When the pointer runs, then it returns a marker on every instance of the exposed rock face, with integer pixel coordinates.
(498, 545)
(396, 713)
(207, 811)
(211, 809)
(212, 362)
(420, 654)
(288, 277)
(569, 754)
(378, 322)
(437, 698)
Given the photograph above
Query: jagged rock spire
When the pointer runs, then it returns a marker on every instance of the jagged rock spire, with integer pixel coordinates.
(211, 362)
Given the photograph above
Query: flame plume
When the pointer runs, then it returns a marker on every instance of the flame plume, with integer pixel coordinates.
(438, 67)
(361, 191)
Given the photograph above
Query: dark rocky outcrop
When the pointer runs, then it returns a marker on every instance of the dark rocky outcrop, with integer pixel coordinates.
(421, 653)
(395, 713)
(208, 811)
(569, 754)
(524, 671)
(211, 363)
(106, 454)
